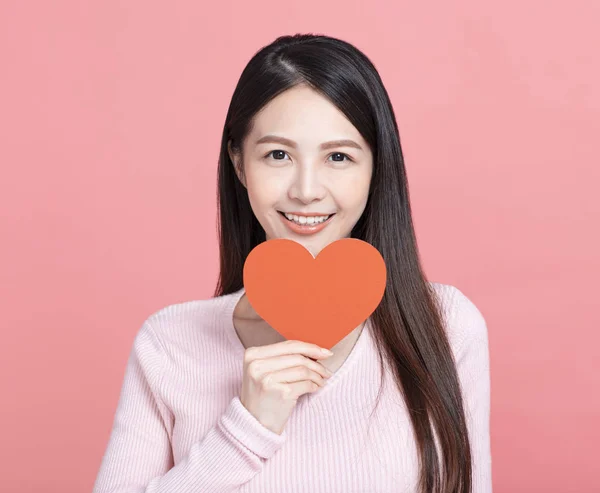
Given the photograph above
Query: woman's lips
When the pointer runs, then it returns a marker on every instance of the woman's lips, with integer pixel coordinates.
(305, 229)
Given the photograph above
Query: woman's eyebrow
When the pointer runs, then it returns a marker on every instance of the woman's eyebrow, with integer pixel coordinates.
(290, 143)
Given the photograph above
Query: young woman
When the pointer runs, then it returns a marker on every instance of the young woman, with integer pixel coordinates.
(215, 400)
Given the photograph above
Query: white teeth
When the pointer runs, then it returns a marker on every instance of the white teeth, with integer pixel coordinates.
(305, 219)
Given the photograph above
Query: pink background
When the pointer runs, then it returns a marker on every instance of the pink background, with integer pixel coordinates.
(112, 114)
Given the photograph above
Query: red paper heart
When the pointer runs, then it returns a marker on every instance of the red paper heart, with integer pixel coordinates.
(318, 300)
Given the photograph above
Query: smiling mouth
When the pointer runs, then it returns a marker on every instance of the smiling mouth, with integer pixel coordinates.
(306, 220)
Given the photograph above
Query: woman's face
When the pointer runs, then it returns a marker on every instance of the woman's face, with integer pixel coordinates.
(292, 166)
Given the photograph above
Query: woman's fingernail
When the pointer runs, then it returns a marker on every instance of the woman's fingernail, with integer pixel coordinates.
(326, 351)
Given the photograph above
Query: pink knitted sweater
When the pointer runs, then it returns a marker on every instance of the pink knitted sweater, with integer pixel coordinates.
(180, 427)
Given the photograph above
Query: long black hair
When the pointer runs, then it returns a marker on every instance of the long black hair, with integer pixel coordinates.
(408, 325)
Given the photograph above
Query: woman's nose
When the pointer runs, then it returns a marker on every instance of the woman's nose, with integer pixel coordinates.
(307, 185)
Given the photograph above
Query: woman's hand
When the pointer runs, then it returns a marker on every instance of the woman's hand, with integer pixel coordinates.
(277, 374)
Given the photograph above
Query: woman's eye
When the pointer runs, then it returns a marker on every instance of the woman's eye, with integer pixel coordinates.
(278, 152)
(343, 156)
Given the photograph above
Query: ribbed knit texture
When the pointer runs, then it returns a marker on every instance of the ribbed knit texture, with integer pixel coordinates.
(180, 427)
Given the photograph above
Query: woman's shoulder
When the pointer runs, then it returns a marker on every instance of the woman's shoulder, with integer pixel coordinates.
(183, 311)
(179, 324)
(463, 319)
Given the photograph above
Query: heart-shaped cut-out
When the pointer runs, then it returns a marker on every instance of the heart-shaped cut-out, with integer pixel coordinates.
(318, 300)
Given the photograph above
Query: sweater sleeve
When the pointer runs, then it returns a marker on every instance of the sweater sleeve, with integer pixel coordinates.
(473, 367)
(138, 457)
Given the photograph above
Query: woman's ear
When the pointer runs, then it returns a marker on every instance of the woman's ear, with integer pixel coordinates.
(237, 163)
